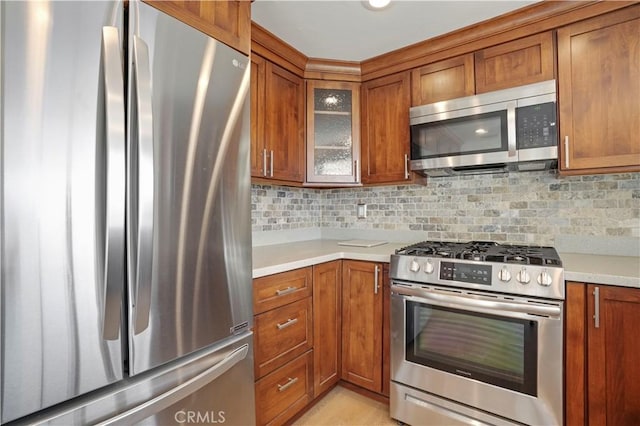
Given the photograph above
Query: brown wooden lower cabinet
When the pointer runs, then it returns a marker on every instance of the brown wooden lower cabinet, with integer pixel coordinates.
(327, 323)
(283, 393)
(282, 334)
(362, 289)
(602, 368)
(316, 326)
(277, 290)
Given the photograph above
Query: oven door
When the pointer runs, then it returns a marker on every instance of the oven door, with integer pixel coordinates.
(502, 355)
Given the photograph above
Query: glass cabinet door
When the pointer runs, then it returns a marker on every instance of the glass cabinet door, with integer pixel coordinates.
(333, 132)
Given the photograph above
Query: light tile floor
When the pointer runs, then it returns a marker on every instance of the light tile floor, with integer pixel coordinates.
(342, 407)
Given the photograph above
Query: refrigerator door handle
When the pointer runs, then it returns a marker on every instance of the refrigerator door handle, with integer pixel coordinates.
(141, 171)
(174, 395)
(111, 129)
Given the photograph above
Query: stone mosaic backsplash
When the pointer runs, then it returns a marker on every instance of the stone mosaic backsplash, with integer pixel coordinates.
(531, 207)
(276, 208)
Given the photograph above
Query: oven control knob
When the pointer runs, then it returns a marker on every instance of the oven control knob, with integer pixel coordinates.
(545, 278)
(523, 276)
(414, 266)
(504, 275)
(428, 267)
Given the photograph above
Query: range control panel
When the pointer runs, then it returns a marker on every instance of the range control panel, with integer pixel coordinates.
(545, 281)
(465, 272)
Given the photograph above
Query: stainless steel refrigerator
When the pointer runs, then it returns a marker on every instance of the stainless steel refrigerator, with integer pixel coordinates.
(125, 218)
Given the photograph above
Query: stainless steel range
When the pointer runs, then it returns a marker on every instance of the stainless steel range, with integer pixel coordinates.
(476, 334)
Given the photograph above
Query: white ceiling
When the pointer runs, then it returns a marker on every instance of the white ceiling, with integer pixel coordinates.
(346, 30)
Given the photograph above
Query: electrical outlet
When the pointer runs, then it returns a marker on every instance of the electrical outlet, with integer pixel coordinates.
(362, 210)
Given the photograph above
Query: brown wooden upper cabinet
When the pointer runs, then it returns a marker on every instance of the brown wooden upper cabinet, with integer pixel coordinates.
(439, 81)
(385, 129)
(599, 93)
(333, 132)
(227, 21)
(523, 61)
(259, 165)
(277, 122)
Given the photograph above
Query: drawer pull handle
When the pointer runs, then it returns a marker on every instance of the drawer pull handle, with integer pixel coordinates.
(287, 324)
(286, 291)
(287, 385)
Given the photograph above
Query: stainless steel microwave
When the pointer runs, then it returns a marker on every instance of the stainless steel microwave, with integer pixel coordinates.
(511, 129)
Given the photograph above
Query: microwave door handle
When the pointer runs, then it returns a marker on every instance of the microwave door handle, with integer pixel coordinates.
(144, 182)
(511, 129)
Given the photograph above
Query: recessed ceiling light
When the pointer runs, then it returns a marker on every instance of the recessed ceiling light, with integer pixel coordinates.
(481, 131)
(376, 4)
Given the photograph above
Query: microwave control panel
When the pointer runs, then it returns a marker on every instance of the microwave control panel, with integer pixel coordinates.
(536, 126)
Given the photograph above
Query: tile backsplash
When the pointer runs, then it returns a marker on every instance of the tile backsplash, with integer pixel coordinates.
(276, 208)
(531, 208)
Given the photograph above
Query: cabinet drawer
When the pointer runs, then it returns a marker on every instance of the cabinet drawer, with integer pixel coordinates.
(283, 393)
(277, 290)
(282, 334)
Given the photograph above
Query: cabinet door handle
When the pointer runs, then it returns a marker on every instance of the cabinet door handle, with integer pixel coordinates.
(356, 171)
(286, 291)
(286, 324)
(566, 152)
(406, 166)
(289, 383)
(271, 166)
(264, 162)
(375, 281)
(596, 314)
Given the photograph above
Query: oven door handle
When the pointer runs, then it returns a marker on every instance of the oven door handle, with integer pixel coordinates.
(472, 302)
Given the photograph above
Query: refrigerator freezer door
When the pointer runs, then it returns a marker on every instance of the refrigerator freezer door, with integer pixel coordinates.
(222, 393)
(194, 289)
(62, 199)
(211, 386)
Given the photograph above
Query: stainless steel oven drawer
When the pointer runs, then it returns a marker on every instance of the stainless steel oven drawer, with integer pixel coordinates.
(414, 407)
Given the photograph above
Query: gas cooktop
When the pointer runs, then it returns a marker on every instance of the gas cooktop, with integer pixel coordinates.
(501, 268)
(485, 251)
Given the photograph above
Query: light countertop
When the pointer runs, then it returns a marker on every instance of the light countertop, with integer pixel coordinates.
(276, 258)
(589, 268)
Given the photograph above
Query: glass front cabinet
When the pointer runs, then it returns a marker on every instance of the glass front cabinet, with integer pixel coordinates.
(333, 133)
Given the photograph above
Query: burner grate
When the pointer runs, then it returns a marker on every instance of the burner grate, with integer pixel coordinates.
(487, 251)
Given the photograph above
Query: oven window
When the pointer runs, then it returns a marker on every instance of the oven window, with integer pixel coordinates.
(479, 133)
(498, 350)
